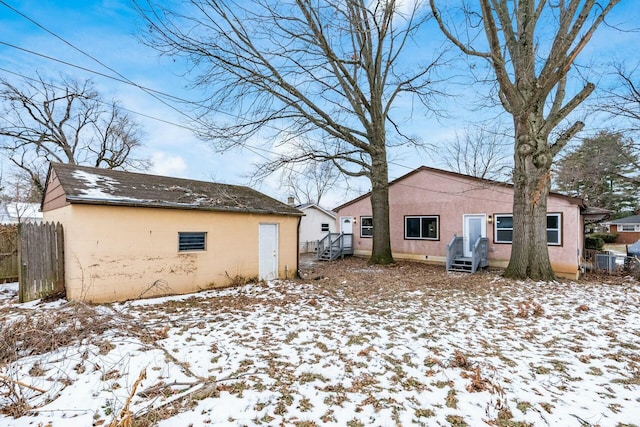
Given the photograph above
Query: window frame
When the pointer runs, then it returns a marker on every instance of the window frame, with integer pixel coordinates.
(324, 226)
(622, 226)
(421, 217)
(560, 228)
(495, 229)
(368, 227)
(192, 247)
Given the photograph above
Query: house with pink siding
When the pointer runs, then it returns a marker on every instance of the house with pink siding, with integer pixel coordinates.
(428, 207)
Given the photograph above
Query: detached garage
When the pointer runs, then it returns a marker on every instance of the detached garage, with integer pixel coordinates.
(131, 235)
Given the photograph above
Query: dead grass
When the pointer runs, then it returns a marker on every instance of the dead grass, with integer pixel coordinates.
(12, 391)
(32, 333)
(239, 279)
(393, 332)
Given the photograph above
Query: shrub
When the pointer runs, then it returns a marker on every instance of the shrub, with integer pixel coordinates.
(593, 242)
(606, 237)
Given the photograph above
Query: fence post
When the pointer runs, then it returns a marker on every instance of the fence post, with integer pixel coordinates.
(8, 253)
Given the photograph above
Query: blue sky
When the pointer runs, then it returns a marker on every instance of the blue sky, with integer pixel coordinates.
(107, 31)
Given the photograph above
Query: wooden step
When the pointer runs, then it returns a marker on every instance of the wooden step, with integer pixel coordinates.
(326, 255)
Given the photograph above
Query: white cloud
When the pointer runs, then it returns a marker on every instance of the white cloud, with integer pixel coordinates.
(167, 164)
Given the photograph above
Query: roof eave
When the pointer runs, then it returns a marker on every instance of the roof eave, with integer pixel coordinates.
(320, 208)
(143, 204)
(573, 200)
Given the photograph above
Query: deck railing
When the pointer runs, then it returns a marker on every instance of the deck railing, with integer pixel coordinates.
(455, 248)
(334, 245)
(479, 252)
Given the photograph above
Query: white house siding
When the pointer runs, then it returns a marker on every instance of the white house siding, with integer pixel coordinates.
(311, 227)
(15, 213)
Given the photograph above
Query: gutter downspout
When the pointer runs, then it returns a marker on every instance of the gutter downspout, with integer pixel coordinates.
(298, 275)
(580, 242)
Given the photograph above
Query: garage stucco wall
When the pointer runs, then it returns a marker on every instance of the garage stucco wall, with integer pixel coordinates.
(115, 253)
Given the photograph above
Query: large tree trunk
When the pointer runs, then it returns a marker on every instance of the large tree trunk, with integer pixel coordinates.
(381, 253)
(531, 180)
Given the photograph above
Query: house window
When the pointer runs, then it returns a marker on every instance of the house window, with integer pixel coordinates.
(421, 227)
(192, 241)
(324, 226)
(627, 227)
(503, 231)
(554, 230)
(366, 226)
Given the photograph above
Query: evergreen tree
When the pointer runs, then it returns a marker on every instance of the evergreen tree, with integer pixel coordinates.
(596, 171)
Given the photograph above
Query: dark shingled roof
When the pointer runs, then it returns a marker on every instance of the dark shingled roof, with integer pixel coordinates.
(633, 219)
(89, 185)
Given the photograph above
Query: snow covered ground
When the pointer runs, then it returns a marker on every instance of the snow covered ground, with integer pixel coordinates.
(452, 351)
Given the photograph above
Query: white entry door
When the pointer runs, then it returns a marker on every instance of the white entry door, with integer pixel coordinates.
(268, 251)
(473, 228)
(346, 224)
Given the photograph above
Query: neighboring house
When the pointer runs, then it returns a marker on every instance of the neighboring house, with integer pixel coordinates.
(18, 212)
(627, 229)
(128, 235)
(429, 206)
(315, 225)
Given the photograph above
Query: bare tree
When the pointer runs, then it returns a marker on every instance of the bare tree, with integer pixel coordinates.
(308, 183)
(320, 78)
(480, 153)
(20, 188)
(624, 100)
(66, 122)
(531, 47)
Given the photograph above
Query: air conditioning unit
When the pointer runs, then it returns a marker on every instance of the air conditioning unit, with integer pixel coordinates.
(606, 262)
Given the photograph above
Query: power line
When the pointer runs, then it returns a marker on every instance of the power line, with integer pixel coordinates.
(100, 101)
(256, 150)
(145, 89)
(122, 77)
(253, 149)
(152, 92)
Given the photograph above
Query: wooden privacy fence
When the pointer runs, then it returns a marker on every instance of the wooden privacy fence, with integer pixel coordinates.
(41, 259)
(8, 253)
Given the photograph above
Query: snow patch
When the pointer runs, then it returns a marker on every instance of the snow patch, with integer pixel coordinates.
(100, 187)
